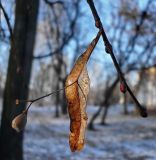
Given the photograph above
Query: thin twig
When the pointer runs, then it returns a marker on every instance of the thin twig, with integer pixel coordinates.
(67, 37)
(53, 3)
(7, 21)
(47, 95)
(109, 49)
(11, 35)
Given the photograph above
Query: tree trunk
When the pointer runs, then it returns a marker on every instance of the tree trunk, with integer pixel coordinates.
(125, 104)
(18, 77)
(63, 99)
(107, 96)
(106, 102)
(57, 113)
(104, 115)
(60, 98)
(57, 68)
(63, 104)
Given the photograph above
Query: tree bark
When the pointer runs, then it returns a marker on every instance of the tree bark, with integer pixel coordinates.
(18, 77)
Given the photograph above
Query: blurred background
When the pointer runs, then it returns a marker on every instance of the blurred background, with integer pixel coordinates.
(40, 41)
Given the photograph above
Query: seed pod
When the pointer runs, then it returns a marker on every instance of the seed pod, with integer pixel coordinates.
(19, 122)
(77, 88)
(123, 87)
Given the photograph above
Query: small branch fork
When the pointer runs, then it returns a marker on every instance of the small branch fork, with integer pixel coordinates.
(109, 49)
(47, 95)
(34, 100)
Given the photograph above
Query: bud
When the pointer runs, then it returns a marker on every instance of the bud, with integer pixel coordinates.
(17, 101)
(123, 87)
(97, 24)
(19, 122)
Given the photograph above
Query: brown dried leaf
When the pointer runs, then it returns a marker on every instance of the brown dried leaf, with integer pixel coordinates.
(19, 122)
(77, 88)
(77, 110)
(84, 86)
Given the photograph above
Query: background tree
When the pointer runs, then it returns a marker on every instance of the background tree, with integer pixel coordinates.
(18, 76)
(57, 36)
(63, 33)
(133, 43)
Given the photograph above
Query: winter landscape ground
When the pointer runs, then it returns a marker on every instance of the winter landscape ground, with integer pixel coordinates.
(125, 138)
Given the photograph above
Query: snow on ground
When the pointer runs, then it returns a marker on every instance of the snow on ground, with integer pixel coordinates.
(125, 138)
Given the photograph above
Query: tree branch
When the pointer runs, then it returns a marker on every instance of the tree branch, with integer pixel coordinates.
(67, 37)
(36, 99)
(53, 3)
(109, 49)
(7, 21)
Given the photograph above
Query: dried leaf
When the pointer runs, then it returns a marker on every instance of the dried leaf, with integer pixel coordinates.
(77, 88)
(84, 86)
(19, 122)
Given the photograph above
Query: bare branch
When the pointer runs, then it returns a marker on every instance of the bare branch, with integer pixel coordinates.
(7, 21)
(66, 37)
(53, 3)
(48, 55)
(36, 99)
(109, 49)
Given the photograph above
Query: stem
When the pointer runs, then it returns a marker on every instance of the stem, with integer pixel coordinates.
(49, 94)
(109, 49)
(26, 110)
(11, 34)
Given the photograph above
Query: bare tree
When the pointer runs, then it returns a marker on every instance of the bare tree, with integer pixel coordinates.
(18, 76)
(58, 35)
(133, 40)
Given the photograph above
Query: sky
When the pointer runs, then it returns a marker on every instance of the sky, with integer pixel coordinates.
(87, 26)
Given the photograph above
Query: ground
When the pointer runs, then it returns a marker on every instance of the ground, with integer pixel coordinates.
(125, 138)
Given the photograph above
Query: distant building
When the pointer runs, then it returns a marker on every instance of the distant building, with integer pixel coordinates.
(147, 89)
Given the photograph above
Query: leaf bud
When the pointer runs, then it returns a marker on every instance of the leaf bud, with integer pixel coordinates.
(123, 87)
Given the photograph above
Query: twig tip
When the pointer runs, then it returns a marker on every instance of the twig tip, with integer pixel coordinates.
(143, 112)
